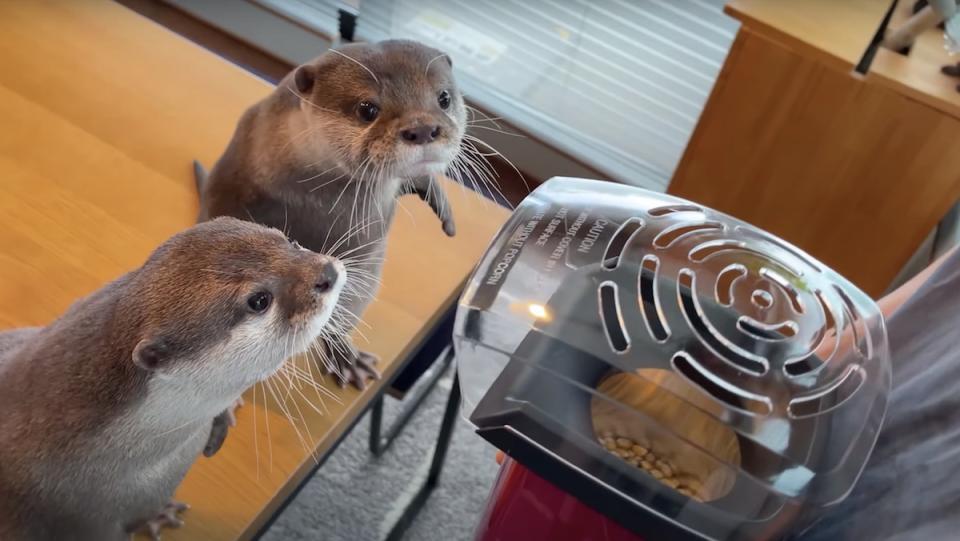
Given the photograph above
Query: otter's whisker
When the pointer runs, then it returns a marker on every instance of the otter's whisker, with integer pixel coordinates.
(363, 277)
(286, 413)
(482, 167)
(357, 62)
(256, 443)
(302, 97)
(337, 200)
(349, 295)
(225, 273)
(327, 361)
(358, 263)
(321, 173)
(317, 386)
(364, 212)
(286, 375)
(378, 176)
(323, 247)
(341, 350)
(358, 176)
(371, 201)
(407, 212)
(351, 232)
(361, 288)
(172, 430)
(312, 441)
(302, 418)
(474, 111)
(343, 238)
(475, 154)
(502, 157)
(295, 138)
(356, 194)
(483, 175)
(266, 422)
(360, 333)
(495, 130)
(426, 70)
(359, 320)
(290, 358)
(381, 174)
(467, 176)
(351, 262)
(308, 403)
(321, 391)
(454, 170)
(358, 248)
(315, 188)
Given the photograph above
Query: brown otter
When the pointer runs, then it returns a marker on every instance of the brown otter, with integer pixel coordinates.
(325, 156)
(106, 408)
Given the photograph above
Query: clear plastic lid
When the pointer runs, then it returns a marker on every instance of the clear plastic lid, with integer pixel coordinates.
(696, 366)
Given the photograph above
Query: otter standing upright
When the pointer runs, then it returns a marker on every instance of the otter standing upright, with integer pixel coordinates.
(325, 156)
(105, 409)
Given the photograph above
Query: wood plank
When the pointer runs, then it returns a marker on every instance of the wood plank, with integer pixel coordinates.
(835, 32)
(103, 112)
(854, 173)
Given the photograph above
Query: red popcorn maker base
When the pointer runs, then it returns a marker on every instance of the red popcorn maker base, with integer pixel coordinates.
(525, 507)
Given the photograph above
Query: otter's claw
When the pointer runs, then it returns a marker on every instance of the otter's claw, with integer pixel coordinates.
(221, 424)
(348, 364)
(358, 370)
(166, 518)
(432, 194)
(449, 228)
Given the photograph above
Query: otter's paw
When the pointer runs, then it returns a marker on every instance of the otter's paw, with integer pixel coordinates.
(166, 518)
(231, 412)
(449, 227)
(356, 369)
(221, 425)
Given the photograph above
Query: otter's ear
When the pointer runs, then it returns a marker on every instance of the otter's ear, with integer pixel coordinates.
(304, 78)
(448, 59)
(151, 353)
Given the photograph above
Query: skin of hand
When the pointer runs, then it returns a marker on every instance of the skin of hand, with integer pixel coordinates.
(895, 299)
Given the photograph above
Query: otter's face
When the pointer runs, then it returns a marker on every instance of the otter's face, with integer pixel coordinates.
(388, 110)
(229, 301)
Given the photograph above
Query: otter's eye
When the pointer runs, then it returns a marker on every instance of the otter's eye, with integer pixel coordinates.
(444, 99)
(367, 111)
(260, 301)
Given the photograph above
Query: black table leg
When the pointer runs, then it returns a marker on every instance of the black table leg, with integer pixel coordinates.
(436, 466)
(380, 443)
(436, 341)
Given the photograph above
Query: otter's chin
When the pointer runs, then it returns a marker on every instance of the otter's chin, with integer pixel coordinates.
(430, 167)
(425, 160)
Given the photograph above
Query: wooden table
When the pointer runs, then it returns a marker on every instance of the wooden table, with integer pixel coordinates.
(917, 74)
(102, 112)
(855, 169)
(835, 32)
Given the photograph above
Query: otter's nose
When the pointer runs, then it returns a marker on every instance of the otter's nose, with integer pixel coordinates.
(420, 135)
(327, 278)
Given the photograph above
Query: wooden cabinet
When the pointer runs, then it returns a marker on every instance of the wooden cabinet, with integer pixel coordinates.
(853, 168)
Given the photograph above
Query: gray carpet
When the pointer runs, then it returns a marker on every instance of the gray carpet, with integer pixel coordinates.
(355, 496)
